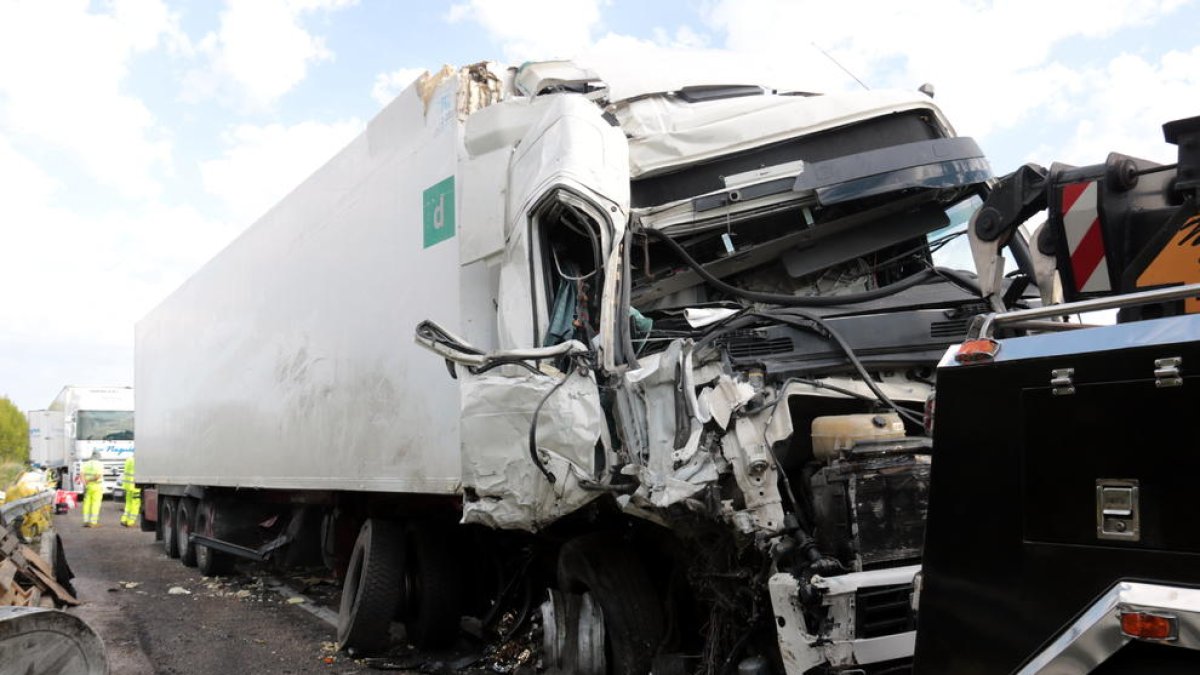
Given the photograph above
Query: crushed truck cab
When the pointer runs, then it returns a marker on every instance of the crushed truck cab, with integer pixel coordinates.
(671, 360)
(687, 285)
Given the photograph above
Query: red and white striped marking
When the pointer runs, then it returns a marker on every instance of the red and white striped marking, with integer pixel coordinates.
(1081, 221)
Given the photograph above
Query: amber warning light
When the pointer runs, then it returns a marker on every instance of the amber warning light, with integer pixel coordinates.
(1149, 626)
(977, 351)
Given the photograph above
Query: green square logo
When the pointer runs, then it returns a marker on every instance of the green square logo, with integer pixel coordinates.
(439, 212)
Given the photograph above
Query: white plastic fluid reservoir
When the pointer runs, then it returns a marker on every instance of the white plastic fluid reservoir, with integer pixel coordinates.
(834, 434)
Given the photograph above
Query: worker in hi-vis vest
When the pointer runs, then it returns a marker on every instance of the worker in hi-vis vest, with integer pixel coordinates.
(93, 489)
(133, 495)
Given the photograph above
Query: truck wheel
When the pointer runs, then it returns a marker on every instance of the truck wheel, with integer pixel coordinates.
(185, 521)
(166, 517)
(210, 563)
(603, 567)
(372, 587)
(430, 588)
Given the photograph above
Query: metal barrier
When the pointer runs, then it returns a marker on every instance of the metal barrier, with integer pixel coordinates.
(10, 511)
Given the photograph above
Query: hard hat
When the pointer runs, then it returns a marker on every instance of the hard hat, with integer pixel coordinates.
(85, 454)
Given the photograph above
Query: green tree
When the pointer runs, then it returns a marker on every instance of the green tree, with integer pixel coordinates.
(14, 432)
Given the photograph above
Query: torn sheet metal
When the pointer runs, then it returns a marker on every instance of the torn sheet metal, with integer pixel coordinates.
(663, 424)
(503, 487)
(757, 475)
(479, 87)
(661, 430)
(698, 317)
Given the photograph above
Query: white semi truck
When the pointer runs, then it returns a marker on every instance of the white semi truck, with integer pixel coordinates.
(664, 403)
(99, 419)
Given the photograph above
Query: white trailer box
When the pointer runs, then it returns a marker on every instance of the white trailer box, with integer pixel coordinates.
(46, 446)
(288, 360)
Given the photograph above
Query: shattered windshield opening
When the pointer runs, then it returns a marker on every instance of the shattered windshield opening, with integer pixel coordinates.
(104, 425)
(875, 254)
(573, 269)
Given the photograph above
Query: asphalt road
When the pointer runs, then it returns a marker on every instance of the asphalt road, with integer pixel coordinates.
(230, 625)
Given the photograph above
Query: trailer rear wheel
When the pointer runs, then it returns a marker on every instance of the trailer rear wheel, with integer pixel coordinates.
(210, 563)
(185, 521)
(166, 519)
(372, 587)
(431, 587)
(632, 614)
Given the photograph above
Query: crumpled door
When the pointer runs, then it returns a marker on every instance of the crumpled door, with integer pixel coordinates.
(534, 441)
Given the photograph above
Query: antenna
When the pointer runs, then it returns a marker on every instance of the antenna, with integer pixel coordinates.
(835, 62)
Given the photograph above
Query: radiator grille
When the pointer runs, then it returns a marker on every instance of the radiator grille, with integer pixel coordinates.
(747, 344)
(884, 610)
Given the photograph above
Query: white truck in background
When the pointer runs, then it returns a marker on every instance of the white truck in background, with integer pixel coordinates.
(672, 418)
(99, 419)
(47, 445)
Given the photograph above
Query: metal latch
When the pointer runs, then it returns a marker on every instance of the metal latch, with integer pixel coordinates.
(1060, 381)
(1117, 513)
(1166, 372)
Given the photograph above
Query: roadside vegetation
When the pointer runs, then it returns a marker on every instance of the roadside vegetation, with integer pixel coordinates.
(14, 441)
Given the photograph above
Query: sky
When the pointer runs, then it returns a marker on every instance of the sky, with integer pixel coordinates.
(139, 137)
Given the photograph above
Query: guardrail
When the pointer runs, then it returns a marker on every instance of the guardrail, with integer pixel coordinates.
(10, 511)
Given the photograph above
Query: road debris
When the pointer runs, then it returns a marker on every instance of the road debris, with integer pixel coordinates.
(27, 579)
(178, 590)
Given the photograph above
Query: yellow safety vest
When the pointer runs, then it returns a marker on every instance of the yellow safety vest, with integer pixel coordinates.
(93, 471)
(127, 481)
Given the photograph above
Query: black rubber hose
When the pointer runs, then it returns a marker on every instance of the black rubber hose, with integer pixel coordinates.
(533, 453)
(815, 324)
(791, 300)
(629, 357)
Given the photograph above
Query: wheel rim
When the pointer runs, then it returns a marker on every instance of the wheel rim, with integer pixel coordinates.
(573, 635)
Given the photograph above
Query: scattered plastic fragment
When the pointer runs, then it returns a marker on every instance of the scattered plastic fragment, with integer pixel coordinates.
(178, 590)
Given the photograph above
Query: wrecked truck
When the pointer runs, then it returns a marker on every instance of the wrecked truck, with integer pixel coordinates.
(664, 406)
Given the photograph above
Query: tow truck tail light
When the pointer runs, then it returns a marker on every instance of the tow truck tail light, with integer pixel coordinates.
(977, 351)
(1149, 626)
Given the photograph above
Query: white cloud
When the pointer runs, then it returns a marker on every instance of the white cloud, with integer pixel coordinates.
(534, 29)
(25, 183)
(264, 163)
(81, 280)
(388, 85)
(991, 61)
(633, 66)
(1126, 103)
(61, 74)
(260, 51)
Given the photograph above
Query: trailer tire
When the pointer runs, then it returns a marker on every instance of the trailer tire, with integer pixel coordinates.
(166, 519)
(185, 524)
(633, 613)
(431, 587)
(371, 589)
(210, 563)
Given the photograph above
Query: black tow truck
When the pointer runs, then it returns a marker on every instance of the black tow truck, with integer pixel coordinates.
(1063, 531)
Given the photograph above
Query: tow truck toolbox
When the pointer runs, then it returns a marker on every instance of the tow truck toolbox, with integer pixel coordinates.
(1072, 459)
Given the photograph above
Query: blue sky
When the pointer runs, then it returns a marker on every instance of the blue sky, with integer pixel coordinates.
(138, 137)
